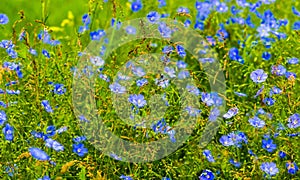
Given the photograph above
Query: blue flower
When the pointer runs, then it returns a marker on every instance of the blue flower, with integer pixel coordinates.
(138, 71)
(39, 154)
(208, 155)
(225, 140)
(192, 89)
(180, 50)
(86, 20)
(207, 175)
(214, 114)
(137, 100)
(269, 168)
(54, 145)
(3, 117)
(46, 105)
(294, 121)
(181, 64)
(170, 72)
(192, 111)
(240, 94)
(199, 25)
(264, 30)
(269, 101)
(268, 145)
(164, 30)
(136, 6)
(294, 10)
(153, 16)
(266, 56)
(50, 130)
(45, 53)
(290, 75)
(97, 61)
(296, 25)
(183, 74)
(278, 70)
(256, 122)
(234, 55)
(32, 51)
(3, 19)
(97, 35)
(222, 7)
(8, 132)
(141, 82)
(293, 60)
(291, 167)
(281, 154)
(59, 89)
(45, 178)
(258, 76)
(275, 90)
(79, 139)
(126, 177)
(79, 149)
(130, 30)
(231, 112)
(235, 163)
(117, 88)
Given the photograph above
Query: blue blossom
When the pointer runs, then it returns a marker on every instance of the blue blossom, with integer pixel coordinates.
(279, 70)
(291, 167)
(138, 71)
(45, 178)
(192, 111)
(180, 50)
(79, 139)
(264, 30)
(181, 64)
(39, 154)
(51, 130)
(136, 5)
(183, 74)
(231, 112)
(266, 56)
(258, 76)
(208, 155)
(3, 117)
(126, 177)
(275, 90)
(46, 105)
(45, 53)
(240, 94)
(199, 25)
(214, 114)
(225, 140)
(8, 132)
(54, 145)
(296, 25)
(269, 101)
(97, 35)
(32, 51)
(193, 89)
(295, 11)
(141, 82)
(268, 145)
(257, 122)
(97, 61)
(259, 91)
(130, 30)
(153, 16)
(235, 163)
(281, 154)
(170, 71)
(269, 168)
(164, 30)
(79, 149)
(207, 175)
(294, 121)
(222, 7)
(293, 60)
(3, 19)
(59, 89)
(290, 75)
(117, 88)
(137, 100)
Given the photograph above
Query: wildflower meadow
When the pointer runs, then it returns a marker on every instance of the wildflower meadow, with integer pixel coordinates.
(156, 89)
